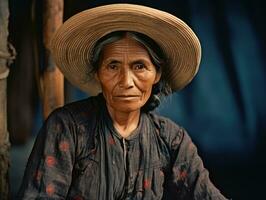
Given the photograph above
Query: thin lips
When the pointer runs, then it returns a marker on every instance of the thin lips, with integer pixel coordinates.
(127, 95)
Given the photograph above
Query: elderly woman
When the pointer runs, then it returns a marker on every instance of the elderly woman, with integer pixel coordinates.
(112, 146)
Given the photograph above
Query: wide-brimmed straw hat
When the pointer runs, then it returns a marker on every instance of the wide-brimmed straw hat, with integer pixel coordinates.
(73, 43)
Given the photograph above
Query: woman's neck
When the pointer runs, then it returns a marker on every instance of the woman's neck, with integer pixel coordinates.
(124, 122)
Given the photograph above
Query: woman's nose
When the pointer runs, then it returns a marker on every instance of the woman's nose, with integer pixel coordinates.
(126, 79)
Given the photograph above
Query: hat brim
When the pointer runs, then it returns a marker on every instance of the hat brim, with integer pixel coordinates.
(72, 44)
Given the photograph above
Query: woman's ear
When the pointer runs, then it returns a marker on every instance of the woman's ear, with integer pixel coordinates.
(157, 77)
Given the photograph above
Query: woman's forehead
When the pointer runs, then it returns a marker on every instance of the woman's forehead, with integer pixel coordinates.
(125, 46)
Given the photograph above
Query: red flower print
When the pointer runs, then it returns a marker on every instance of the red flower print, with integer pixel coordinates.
(111, 140)
(146, 183)
(183, 175)
(64, 146)
(50, 189)
(50, 161)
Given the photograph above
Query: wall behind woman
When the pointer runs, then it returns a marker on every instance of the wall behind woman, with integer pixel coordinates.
(223, 108)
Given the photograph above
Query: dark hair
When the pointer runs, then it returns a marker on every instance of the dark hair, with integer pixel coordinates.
(160, 89)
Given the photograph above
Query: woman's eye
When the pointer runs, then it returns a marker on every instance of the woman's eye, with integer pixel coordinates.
(138, 66)
(112, 66)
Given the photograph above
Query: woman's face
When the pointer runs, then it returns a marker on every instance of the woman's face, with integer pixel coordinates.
(126, 74)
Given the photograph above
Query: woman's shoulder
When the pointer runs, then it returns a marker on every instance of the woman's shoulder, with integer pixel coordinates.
(164, 122)
(168, 129)
(79, 111)
(77, 119)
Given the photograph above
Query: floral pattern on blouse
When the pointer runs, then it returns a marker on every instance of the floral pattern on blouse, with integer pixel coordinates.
(79, 155)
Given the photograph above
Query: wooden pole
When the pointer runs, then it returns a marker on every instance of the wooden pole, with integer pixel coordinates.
(5, 57)
(52, 82)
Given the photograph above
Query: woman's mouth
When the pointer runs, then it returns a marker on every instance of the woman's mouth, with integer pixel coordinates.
(127, 97)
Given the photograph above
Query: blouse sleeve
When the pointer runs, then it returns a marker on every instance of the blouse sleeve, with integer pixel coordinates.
(48, 172)
(189, 179)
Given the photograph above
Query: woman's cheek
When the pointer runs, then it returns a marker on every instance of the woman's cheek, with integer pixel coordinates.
(144, 84)
(146, 76)
(108, 77)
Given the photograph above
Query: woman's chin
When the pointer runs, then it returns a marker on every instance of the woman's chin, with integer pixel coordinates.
(127, 107)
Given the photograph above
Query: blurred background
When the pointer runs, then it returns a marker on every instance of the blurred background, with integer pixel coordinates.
(223, 109)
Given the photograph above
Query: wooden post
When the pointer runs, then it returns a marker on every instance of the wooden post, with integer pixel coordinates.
(5, 56)
(52, 82)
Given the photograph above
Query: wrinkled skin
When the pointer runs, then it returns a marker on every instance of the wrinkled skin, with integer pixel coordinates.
(126, 75)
